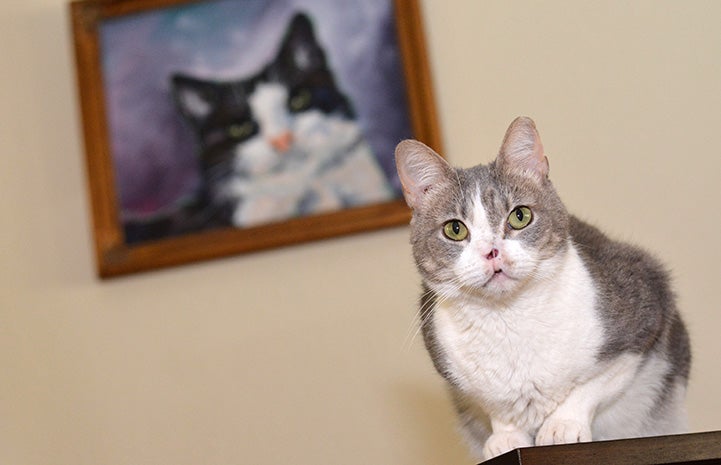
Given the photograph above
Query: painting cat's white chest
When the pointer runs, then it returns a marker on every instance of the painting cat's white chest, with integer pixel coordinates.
(519, 362)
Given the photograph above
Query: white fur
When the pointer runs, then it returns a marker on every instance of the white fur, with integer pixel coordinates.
(527, 355)
(628, 414)
(268, 104)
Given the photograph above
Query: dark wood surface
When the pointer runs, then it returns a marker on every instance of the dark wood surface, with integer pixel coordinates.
(689, 449)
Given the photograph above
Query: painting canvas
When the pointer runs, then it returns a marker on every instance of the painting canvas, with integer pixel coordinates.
(240, 113)
(244, 116)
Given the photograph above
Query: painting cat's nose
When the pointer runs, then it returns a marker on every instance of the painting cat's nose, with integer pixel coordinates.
(282, 141)
(492, 254)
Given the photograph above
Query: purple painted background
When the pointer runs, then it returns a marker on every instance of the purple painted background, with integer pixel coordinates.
(154, 153)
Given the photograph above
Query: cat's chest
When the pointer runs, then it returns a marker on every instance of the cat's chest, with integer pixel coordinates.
(522, 360)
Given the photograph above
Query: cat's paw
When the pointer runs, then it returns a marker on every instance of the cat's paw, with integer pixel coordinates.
(559, 431)
(502, 442)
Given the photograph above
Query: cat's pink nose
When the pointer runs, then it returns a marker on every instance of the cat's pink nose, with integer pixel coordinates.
(282, 141)
(492, 254)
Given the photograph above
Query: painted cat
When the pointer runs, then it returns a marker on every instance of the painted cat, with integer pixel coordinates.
(545, 330)
(283, 142)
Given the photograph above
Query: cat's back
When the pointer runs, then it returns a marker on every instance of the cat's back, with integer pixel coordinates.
(619, 268)
(635, 300)
(616, 262)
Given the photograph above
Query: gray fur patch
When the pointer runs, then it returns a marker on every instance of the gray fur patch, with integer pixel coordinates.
(636, 304)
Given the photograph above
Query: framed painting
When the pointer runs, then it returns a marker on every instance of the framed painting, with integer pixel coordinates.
(220, 127)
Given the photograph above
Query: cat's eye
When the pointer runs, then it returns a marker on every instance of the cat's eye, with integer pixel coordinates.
(520, 217)
(240, 131)
(455, 230)
(300, 101)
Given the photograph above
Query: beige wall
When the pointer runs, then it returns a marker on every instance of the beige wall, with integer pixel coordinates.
(303, 355)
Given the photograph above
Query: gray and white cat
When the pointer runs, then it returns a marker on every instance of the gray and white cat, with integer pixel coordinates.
(546, 331)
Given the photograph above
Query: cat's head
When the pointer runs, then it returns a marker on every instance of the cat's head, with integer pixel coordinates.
(291, 105)
(485, 231)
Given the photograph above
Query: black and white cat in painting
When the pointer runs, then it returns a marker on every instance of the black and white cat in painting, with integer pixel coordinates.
(280, 143)
(545, 330)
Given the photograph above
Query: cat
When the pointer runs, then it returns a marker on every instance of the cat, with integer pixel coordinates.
(283, 142)
(545, 330)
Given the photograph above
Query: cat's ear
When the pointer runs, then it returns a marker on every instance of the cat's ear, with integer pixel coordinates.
(522, 151)
(420, 170)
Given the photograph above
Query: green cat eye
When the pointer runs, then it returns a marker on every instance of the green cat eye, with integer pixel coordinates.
(520, 217)
(240, 131)
(455, 230)
(300, 101)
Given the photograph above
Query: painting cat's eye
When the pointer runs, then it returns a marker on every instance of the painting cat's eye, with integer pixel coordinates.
(520, 217)
(301, 101)
(455, 230)
(240, 131)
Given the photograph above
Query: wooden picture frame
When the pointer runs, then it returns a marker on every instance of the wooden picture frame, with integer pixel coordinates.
(104, 30)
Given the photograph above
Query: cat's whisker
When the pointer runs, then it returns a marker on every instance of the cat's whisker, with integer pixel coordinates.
(430, 299)
(420, 318)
